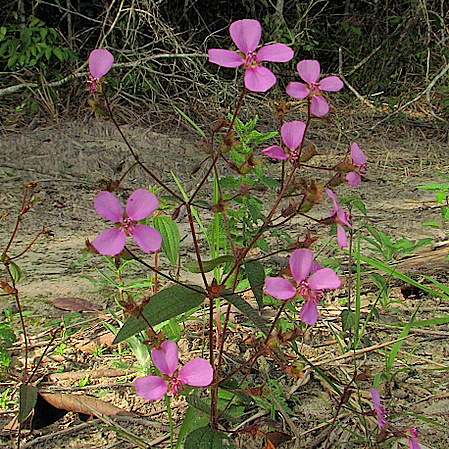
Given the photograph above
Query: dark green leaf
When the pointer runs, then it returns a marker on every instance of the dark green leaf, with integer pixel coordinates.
(168, 303)
(209, 265)
(170, 237)
(192, 420)
(347, 319)
(256, 276)
(252, 314)
(207, 438)
(28, 398)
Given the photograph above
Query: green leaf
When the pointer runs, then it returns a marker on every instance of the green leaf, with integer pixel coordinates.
(376, 263)
(172, 330)
(28, 398)
(207, 438)
(16, 273)
(209, 265)
(432, 224)
(164, 305)
(347, 319)
(244, 307)
(256, 277)
(186, 117)
(192, 420)
(170, 237)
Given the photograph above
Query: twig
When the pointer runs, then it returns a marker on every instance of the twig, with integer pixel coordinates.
(424, 92)
(350, 87)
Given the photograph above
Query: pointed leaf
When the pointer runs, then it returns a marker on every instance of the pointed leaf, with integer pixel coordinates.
(16, 272)
(244, 307)
(28, 398)
(170, 237)
(192, 421)
(164, 305)
(256, 276)
(209, 265)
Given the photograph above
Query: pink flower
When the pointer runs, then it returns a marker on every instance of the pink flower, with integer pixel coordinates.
(292, 134)
(413, 439)
(359, 162)
(246, 35)
(140, 204)
(309, 71)
(308, 287)
(196, 373)
(341, 218)
(380, 411)
(100, 62)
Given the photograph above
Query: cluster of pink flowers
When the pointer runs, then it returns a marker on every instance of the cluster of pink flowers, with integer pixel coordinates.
(246, 35)
(310, 278)
(196, 373)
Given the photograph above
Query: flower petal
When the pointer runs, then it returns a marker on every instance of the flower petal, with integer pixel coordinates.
(357, 155)
(110, 242)
(275, 53)
(279, 288)
(342, 238)
(353, 178)
(225, 58)
(413, 444)
(319, 106)
(331, 84)
(309, 70)
(301, 263)
(309, 312)
(334, 199)
(197, 373)
(324, 279)
(147, 238)
(140, 204)
(259, 79)
(376, 397)
(293, 134)
(100, 62)
(151, 387)
(166, 358)
(108, 206)
(275, 152)
(297, 90)
(246, 34)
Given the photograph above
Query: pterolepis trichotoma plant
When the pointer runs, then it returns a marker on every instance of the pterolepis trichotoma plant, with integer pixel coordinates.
(248, 208)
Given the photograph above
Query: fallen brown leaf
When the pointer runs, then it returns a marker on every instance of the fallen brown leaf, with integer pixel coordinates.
(75, 304)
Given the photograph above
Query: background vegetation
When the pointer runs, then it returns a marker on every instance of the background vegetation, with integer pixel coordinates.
(390, 52)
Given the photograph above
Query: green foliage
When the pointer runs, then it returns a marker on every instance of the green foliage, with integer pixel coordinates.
(388, 248)
(7, 337)
(170, 237)
(27, 401)
(28, 46)
(164, 305)
(207, 438)
(441, 196)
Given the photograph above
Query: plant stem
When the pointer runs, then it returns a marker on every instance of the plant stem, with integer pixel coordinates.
(170, 420)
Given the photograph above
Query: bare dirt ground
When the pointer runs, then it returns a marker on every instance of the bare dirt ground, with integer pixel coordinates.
(69, 162)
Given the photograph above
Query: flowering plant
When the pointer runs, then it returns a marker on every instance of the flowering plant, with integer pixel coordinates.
(196, 373)
(246, 35)
(140, 205)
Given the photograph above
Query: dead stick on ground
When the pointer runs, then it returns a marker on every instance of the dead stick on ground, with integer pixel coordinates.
(354, 353)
